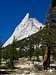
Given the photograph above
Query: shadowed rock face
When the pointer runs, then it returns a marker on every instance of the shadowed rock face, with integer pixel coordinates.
(53, 3)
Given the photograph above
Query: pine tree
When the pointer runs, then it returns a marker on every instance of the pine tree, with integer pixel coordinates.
(0, 53)
(49, 32)
(13, 53)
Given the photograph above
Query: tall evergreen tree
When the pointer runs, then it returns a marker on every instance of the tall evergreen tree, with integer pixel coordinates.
(50, 35)
(0, 53)
(13, 53)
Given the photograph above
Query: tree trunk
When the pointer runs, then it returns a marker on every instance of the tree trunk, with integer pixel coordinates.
(46, 62)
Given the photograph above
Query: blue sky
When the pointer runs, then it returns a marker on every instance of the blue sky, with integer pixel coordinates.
(13, 11)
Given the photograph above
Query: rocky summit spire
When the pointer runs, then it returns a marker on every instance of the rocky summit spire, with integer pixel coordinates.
(27, 27)
(25, 19)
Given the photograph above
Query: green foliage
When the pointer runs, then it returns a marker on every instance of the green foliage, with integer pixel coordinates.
(13, 54)
(10, 54)
(0, 54)
(0, 51)
(38, 52)
(26, 46)
(21, 53)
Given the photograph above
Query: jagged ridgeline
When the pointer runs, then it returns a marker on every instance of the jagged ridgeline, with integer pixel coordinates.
(25, 28)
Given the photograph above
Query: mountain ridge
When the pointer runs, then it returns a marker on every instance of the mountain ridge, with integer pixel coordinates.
(27, 27)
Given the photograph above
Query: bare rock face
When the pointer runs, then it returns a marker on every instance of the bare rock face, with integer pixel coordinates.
(27, 27)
